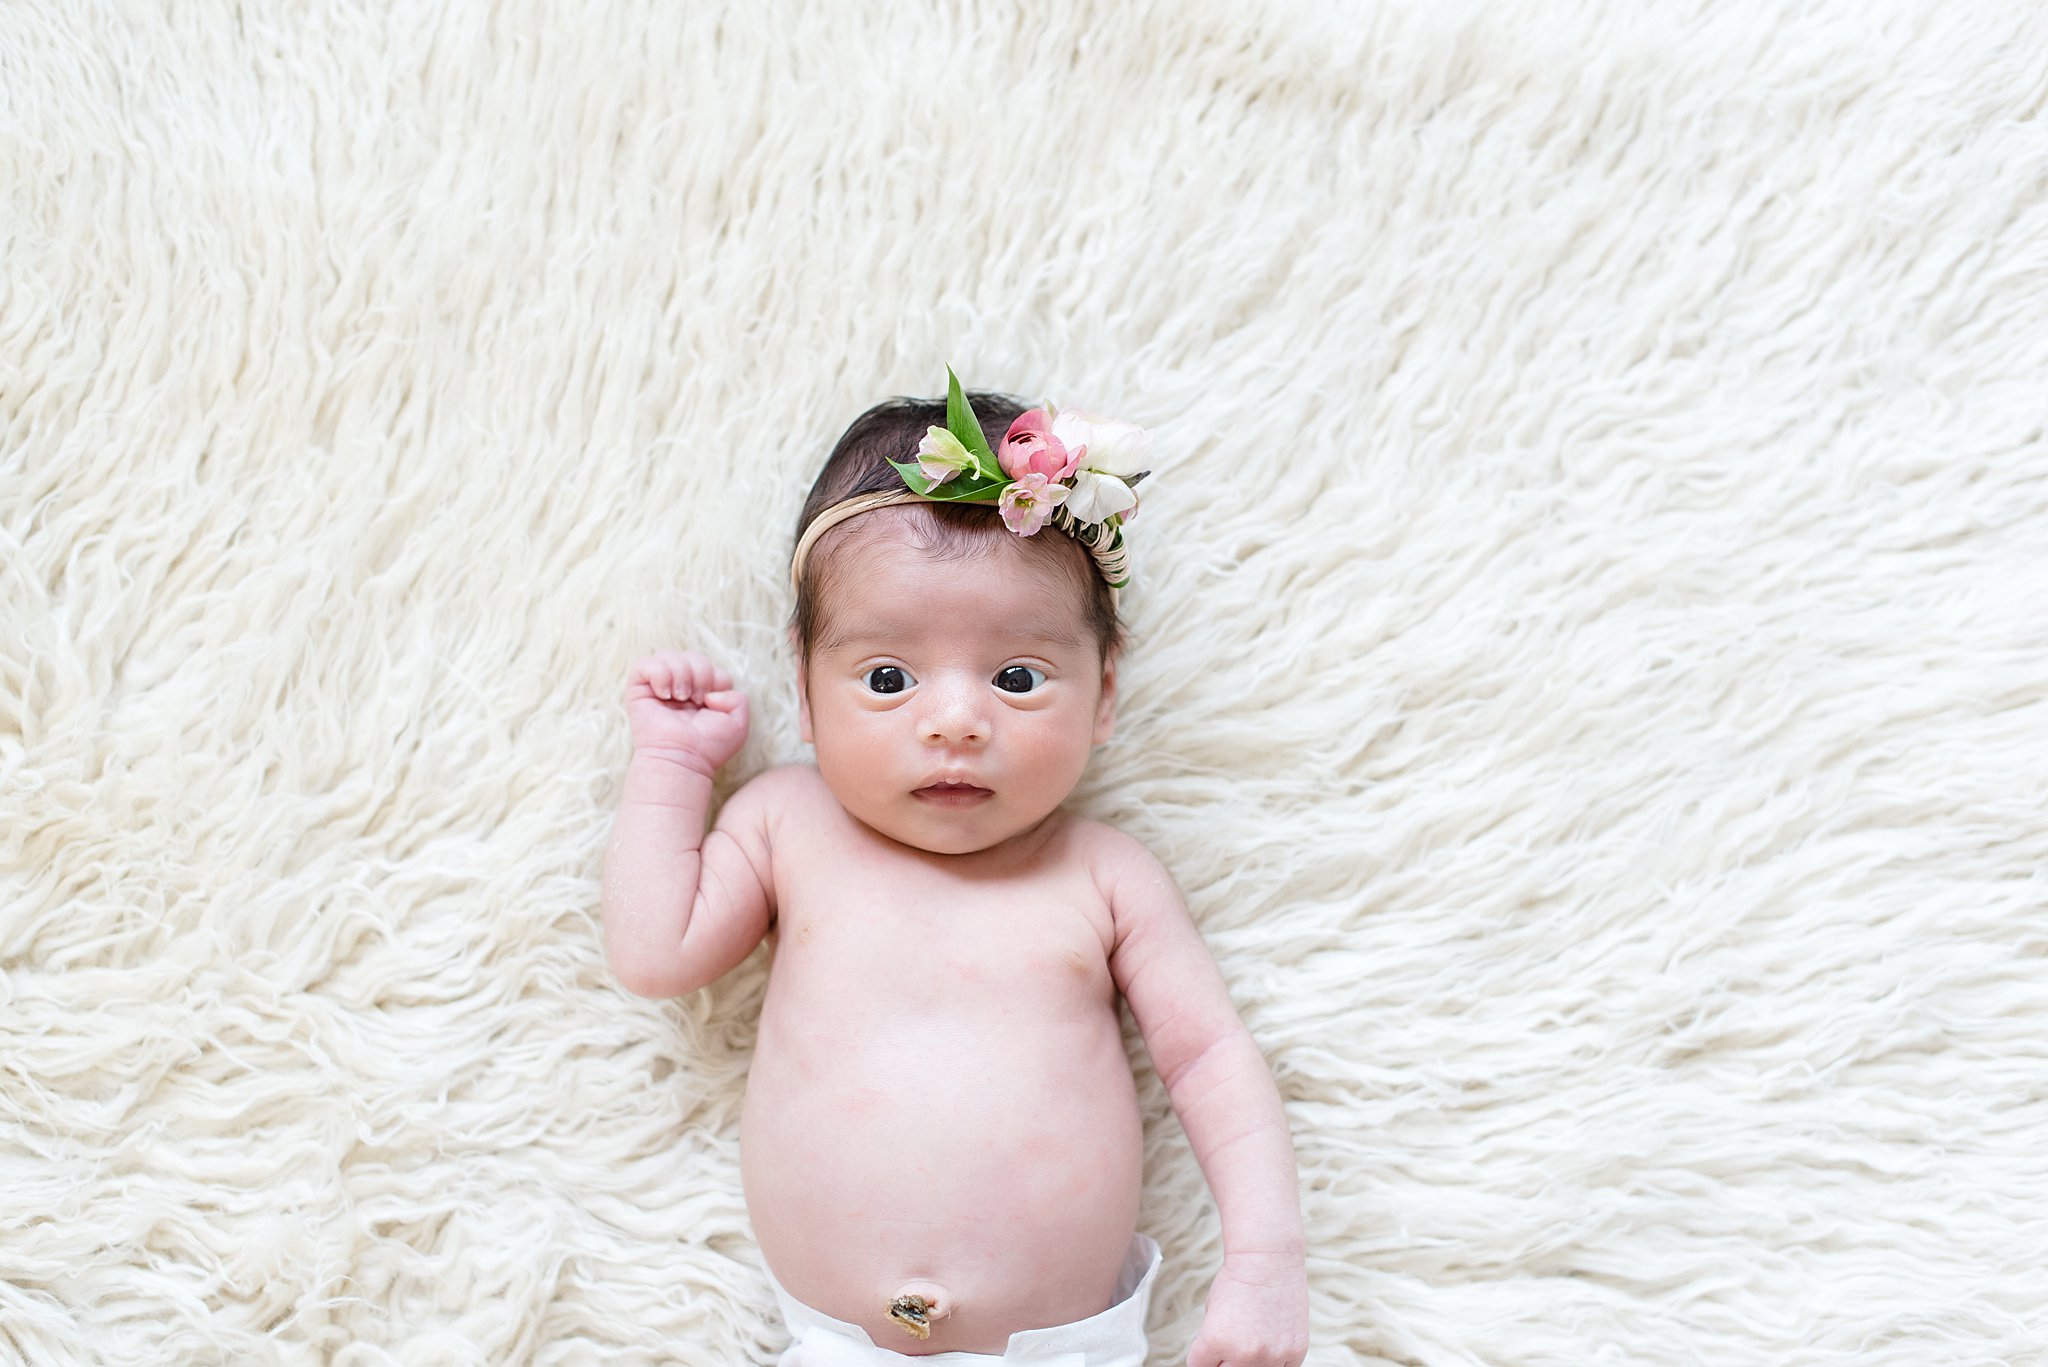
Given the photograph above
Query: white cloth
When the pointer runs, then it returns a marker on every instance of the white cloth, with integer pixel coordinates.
(1113, 1338)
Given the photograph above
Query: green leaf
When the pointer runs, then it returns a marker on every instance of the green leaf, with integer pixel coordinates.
(967, 489)
(913, 475)
(960, 421)
(962, 488)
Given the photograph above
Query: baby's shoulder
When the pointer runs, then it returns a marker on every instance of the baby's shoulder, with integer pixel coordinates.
(776, 793)
(1111, 854)
(786, 780)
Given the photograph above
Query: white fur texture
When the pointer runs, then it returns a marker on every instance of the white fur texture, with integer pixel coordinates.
(1590, 670)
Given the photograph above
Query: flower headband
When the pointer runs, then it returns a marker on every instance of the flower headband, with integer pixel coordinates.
(1072, 469)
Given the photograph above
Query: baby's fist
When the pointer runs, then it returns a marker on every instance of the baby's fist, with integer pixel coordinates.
(680, 703)
(1256, 1315)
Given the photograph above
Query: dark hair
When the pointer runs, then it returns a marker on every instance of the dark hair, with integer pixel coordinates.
(859, 464)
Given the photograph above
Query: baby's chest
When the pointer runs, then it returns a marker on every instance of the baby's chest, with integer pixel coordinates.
(1035, 944)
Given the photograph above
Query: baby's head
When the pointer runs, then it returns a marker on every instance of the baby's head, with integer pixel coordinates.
(934, 644)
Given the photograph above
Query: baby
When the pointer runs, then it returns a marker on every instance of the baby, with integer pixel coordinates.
(940, 1143)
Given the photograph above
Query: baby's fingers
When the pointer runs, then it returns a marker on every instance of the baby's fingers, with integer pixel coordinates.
(676, 676)
(698, 677)
(649, 672)
(726, 700)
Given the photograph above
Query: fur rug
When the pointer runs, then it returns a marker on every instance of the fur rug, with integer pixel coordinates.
(1588, 668)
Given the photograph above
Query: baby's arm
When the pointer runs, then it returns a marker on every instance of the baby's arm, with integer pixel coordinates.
(1257, 1309)
(681, 906)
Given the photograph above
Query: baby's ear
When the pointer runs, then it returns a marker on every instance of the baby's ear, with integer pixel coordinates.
(1105, 711)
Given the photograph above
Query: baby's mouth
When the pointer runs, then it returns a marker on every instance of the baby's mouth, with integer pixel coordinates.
(952, 794)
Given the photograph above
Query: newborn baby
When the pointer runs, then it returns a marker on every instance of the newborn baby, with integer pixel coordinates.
(940, 1145)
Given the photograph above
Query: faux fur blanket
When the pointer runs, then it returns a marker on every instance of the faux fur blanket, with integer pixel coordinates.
(1589, 675)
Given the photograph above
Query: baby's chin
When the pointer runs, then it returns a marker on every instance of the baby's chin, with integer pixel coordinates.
(940, 832)
(918, 840)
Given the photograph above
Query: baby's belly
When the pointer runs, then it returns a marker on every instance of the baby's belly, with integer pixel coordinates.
(995, 1152)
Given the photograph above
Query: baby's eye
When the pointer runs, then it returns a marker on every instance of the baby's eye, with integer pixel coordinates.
(1019, 678)
(888, 679)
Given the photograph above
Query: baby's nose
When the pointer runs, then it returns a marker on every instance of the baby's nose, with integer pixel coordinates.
(954, 711)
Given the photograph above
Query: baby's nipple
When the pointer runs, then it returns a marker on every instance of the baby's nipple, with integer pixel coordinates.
(917, 1304)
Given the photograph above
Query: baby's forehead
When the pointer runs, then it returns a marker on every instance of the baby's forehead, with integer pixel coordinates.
(969, 608)
(861, 617)
(888, 582)
(869, 611)
(887, 557)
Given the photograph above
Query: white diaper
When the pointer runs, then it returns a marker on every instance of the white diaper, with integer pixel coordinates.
(1113, 1338)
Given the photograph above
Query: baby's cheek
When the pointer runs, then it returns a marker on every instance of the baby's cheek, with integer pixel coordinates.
(1058, 754)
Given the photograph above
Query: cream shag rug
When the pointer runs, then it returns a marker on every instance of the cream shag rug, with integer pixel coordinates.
(1589, 671)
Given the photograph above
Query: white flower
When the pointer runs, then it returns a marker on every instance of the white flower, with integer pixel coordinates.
(1111, 451)
(1114, 447)
(940, 456)
(1098, 496)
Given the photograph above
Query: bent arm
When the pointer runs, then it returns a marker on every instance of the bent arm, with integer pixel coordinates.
(683, 906)
(1213, 1070)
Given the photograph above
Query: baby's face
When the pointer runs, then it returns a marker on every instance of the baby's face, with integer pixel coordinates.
(979, 671)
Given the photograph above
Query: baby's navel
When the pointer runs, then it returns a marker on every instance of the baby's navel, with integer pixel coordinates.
(917, 1304)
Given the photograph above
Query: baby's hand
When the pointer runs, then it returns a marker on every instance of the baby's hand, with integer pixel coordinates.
(1256, 1315)
(680, 703)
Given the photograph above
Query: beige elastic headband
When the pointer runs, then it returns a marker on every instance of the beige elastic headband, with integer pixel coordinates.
(1111, 558)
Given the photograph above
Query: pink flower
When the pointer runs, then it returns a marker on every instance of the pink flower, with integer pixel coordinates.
(1028, 501)
(1030, 448)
